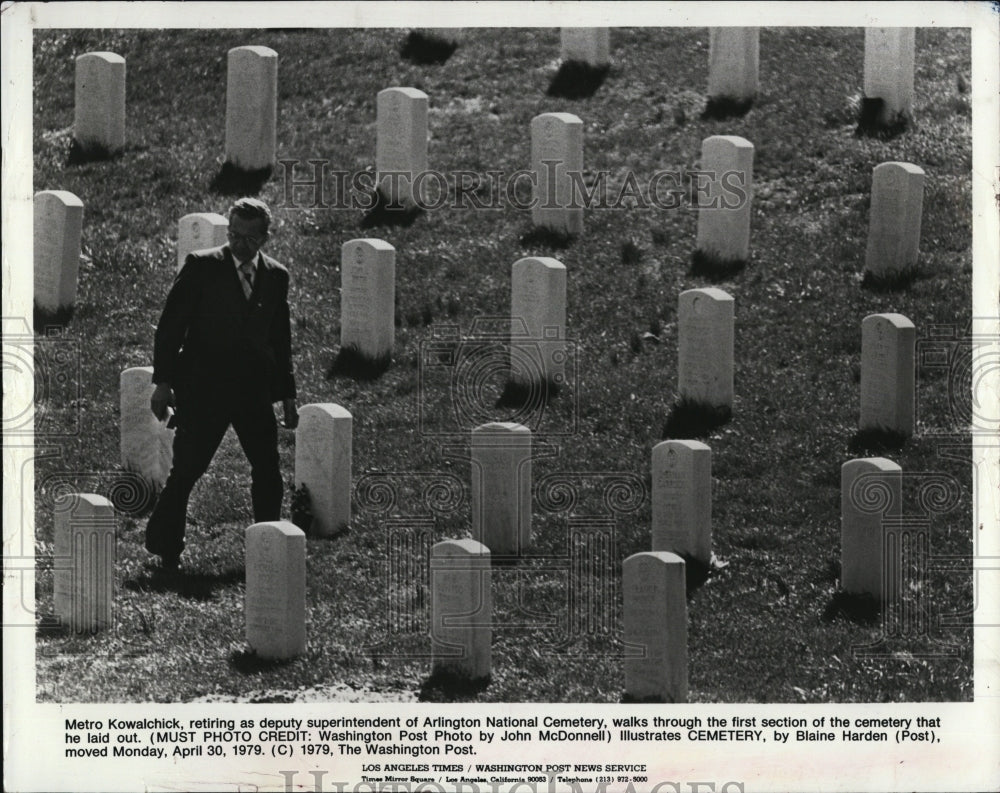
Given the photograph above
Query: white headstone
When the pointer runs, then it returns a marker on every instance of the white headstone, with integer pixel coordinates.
(894, 226)
(461, 609)
(655, 616)
(556, 152)
(368, 297)
(146, 443)
(889, 56)
(99, 116)
(275, 603)
(864, 508)
(538, 320)
(400, 143)
(323, 464)
(682, 499)
(705, 320)
(590, 45)
(84, 563)
(888, 343)
(58, 221)
(724, 204)
(252, 107)
(733, 63)
(501, 487)
(198, 231)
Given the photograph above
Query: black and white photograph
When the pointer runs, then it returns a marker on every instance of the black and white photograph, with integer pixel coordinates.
(501, 396)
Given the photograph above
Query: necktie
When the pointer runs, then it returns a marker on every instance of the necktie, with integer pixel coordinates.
(246, 269)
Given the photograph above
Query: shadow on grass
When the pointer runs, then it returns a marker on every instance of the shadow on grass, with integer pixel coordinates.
(708, 265)
(696, 572)
(876, 440)
(248, 662)
(689, 419)
(388, 215)
(83, 153)
(451, 687)
(873, 124)
(628, 699)
(721, 108)
(235, 181)
(546, 237)
(893, 281)
(426, 49)
(577, 80)
(196, 586)
(351, 362)
(49, 318)
(862, 609)
(527, 397)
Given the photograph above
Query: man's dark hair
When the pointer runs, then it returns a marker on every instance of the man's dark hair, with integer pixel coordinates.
(252, 209)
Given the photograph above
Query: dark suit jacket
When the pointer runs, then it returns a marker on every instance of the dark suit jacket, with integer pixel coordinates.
(211, 340)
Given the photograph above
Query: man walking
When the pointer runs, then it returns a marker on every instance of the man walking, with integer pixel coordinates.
(222, 355)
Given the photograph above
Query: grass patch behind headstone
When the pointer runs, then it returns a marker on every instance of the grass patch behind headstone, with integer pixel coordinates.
(351, 362)
(426, 49)
(235, 181)
(577, 80)
(689, 419)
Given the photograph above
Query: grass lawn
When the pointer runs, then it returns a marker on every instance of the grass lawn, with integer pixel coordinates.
(768, 626)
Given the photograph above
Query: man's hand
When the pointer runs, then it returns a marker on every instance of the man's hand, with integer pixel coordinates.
(291, 414)
(163, 397)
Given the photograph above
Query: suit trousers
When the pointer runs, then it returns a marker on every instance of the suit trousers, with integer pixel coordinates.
(202, 424)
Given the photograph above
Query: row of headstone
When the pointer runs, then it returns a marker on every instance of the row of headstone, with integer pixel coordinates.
(655, 618)
(870, 496)
(897, 197)
(58, 223)
(888, 344)
(252, 80)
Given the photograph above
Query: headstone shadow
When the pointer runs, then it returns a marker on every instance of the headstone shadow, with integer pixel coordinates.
(426, 49)
(388, 215)
(872, 122)
(723, 108)
(248, 662)
(862, 609)
(447, 687)
(875, 441)
(705, 265)
(232, 180)
(896, 281)
(351, 362)
(689, 419)
(191, 585)
(545, 237)
(577, 80)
